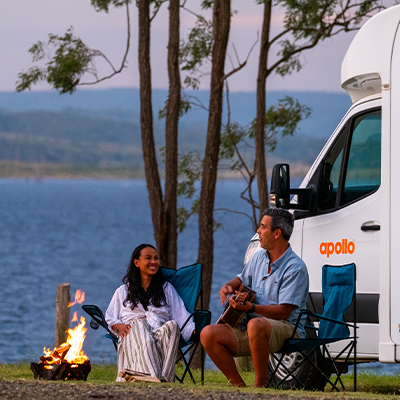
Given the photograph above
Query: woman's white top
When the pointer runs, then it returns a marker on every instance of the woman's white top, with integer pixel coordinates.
(174, 310)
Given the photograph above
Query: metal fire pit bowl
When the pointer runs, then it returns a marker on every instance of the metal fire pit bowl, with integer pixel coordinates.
(61, 372)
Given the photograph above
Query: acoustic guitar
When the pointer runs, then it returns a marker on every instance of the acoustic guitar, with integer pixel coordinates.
(231, 316)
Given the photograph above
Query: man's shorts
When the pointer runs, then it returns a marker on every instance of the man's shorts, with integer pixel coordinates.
(280, 331)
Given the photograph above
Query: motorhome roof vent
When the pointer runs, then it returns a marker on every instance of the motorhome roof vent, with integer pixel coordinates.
(368, 60)
(363, 85)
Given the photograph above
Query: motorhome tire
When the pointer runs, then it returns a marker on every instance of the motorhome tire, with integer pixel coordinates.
(306, 373)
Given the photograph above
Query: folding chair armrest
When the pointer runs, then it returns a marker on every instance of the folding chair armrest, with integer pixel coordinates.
(319, 316)
(302, 312)
(313, 328)
(99, 318)
(201, 318)
(113, 337)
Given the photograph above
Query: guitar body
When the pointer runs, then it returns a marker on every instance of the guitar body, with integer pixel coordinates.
(231, 316)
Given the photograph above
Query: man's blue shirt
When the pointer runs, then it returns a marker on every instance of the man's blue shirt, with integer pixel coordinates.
(286, 284)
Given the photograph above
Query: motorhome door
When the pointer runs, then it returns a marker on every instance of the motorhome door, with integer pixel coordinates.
(344, 225)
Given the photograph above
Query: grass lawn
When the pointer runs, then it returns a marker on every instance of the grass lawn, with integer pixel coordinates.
(369, 385)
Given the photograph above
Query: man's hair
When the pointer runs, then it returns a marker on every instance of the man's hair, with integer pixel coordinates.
(281, 219)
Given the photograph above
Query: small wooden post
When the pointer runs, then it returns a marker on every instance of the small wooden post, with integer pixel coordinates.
(62, 313)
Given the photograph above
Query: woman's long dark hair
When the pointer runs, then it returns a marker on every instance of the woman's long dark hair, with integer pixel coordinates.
(136, 294)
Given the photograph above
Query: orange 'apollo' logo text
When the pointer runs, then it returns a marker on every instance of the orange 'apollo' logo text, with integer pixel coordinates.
(343, 247)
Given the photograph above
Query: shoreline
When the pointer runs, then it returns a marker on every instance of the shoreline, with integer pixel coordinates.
(43, 171)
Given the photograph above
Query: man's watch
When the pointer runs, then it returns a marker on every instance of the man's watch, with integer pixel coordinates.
(252, 309)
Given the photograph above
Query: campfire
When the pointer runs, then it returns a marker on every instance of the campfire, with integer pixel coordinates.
(67, 361)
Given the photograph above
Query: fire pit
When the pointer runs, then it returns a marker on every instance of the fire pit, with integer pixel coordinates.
(66, 362)
(63, 371)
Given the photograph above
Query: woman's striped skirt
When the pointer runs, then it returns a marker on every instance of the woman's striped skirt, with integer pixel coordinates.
(149, 352)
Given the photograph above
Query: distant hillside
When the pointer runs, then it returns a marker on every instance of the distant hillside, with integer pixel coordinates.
(328, 108)
(71, 138)
(67, 138)
(70, 126)
(100, 128)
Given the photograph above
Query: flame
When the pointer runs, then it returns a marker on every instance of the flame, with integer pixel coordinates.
(79, 298)
(71, 350)
(76, 337)
(75, 317)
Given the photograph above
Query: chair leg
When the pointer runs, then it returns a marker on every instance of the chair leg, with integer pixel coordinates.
(339, 372)
(189, 362)
(186, 364)
(202, 364)
(322, 371)
(289, 373)
(355, 363)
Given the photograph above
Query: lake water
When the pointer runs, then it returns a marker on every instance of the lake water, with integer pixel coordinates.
(83, 232)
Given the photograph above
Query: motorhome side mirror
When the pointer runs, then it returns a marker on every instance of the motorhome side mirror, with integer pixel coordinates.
(280, 186)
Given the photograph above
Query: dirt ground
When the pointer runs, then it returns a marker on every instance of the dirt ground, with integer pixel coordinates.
(20, 389)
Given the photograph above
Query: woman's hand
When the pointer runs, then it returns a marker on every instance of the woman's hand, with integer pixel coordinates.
(121, 329)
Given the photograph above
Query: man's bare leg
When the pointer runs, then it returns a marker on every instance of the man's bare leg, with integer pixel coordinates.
(220, 344)
(259, 331)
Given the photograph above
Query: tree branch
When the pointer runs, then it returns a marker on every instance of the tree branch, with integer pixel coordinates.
(323, 29)
(234, 212)
(241, 65)
(123, 63)
(157, 8)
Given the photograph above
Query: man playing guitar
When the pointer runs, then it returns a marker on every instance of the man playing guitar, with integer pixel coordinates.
(280, 279)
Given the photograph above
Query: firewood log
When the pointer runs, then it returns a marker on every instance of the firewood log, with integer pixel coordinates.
(57, 355)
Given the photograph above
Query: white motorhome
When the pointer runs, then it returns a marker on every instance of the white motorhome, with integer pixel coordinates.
(346, 209)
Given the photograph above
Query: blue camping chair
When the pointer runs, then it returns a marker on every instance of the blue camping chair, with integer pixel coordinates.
(338, 291)
(188, 283)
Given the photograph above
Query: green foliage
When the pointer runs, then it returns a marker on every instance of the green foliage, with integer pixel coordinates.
(104, 5)
(190, 167)
(190, 170)
(206, 4)
(195, 51)
(184, 108)
(27, 79)
(283, 118)
(365, 7)
(71, 59)
(293, 61)
(307, 22)
(233, 139)
(184, 214)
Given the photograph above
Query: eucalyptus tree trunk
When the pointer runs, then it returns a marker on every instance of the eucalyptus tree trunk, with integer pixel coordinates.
(246, 363)
(171, 138)
(146, 125)
(260, 165)
(221, 26)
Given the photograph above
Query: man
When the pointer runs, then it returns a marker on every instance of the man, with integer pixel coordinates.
(280, 279)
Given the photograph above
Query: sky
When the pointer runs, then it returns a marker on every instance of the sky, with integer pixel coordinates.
(25, 22)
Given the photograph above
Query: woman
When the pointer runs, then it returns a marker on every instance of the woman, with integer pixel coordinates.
(146, 313)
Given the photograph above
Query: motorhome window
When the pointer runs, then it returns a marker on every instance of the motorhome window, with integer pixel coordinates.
(363, 172)
(329, 182)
